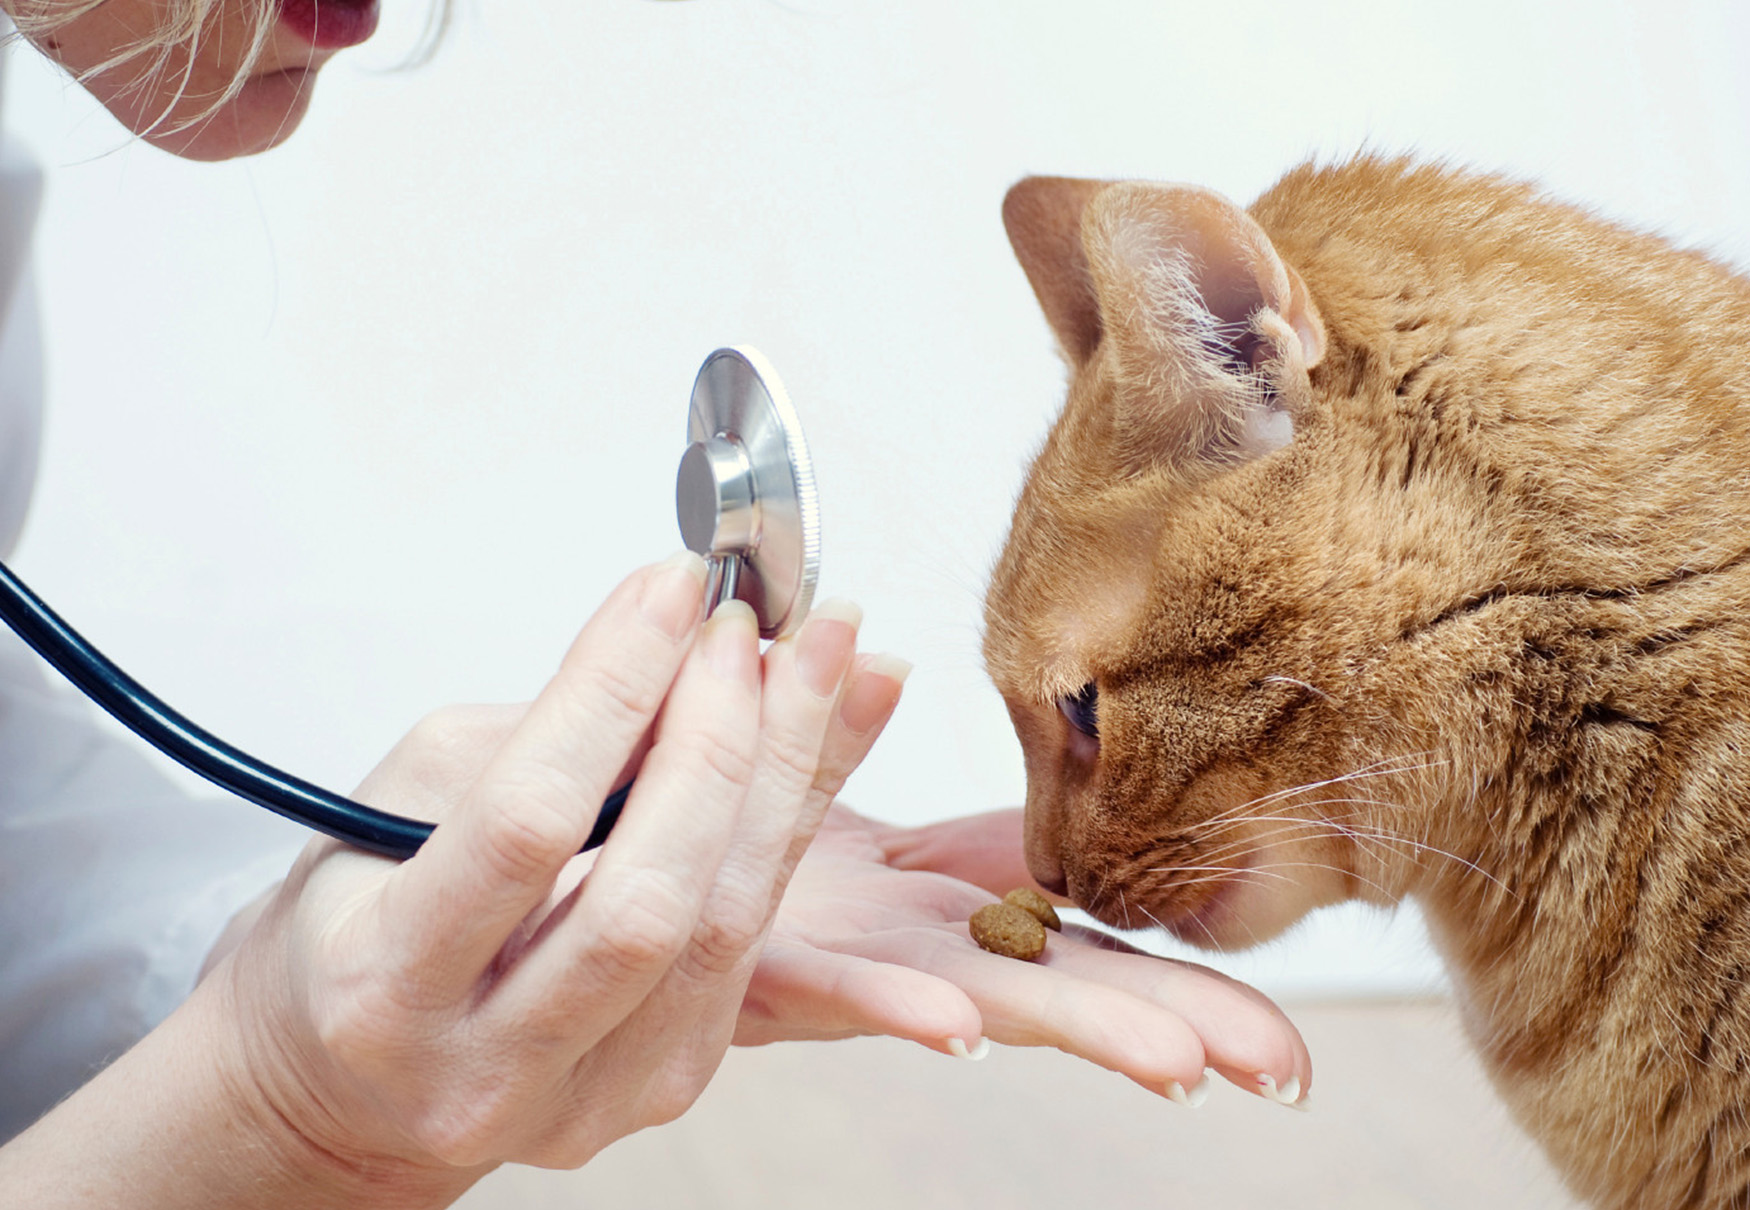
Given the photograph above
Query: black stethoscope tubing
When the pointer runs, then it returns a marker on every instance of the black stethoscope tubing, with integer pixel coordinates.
(230, 768)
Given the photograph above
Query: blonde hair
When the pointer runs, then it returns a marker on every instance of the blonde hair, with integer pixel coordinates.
(170, 45)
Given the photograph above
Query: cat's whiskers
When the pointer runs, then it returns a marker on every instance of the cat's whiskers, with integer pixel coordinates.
(1289, 680)
(1384, 892)
(1371, 834)
(1215, 873)
(1160, 924)
(1235, 817)
(1124, 907)
(1226, 873)
(1386, 767)
(1231, 825)
(1327, 825)
(1367, 836)
(1254, 842)
(1327, 821)
(1246, 845)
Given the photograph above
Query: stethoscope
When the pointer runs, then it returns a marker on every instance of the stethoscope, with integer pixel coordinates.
(746, 501)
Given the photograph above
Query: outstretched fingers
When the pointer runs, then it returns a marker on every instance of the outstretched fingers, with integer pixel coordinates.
(801, 991)
(1247, 1039)
(1033, 1004)
(1161, 1023)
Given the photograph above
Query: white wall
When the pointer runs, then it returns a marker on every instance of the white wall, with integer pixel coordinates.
(369, 424)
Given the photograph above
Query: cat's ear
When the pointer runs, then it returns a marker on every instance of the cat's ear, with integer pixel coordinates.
(1043, 216)
(1210, 331)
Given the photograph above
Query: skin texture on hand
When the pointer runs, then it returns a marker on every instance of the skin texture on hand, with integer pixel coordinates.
(386, 1033)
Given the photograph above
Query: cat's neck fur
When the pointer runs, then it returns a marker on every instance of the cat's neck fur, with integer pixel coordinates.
(1597, 756)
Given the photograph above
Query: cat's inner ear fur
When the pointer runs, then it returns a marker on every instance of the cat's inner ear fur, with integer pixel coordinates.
(1210, 332)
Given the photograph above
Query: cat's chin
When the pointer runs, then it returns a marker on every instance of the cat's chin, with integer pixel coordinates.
(1239, 915)
(1235, 912)
(1214, 915)
(1213, 923)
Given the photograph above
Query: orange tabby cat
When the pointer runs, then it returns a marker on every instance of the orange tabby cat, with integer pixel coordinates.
(1393, 542)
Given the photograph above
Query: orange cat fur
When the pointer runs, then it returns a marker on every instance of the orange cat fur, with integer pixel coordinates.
(1399, 527)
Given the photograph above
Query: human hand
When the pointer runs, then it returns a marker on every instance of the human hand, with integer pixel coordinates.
(872, 939)
(497, 997)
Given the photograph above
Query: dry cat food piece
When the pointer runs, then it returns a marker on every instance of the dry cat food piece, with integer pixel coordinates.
(1035, 905)
(1003, 928)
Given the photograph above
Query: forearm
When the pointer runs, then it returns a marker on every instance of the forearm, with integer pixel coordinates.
(181, 1121)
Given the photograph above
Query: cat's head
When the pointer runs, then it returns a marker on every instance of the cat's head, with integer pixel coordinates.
(1194, 558)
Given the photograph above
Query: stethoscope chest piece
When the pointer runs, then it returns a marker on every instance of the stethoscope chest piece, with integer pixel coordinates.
(745, 493)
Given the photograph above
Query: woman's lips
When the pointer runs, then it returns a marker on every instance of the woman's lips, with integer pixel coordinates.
(331, 24)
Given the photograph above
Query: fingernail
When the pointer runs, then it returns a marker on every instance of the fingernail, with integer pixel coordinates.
(1190, 1100)
(1288, 1094)
(957, 1048)
(731, 643)
(875, 694)
(670, 600)
(826, 646)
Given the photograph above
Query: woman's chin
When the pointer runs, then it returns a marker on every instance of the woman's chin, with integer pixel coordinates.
(261, 116)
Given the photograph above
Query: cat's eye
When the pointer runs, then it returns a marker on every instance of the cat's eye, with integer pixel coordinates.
(1082, 709)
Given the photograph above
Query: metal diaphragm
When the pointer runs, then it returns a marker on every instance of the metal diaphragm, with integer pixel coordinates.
(745, 492)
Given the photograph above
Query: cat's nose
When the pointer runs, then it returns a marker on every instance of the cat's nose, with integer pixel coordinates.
(1054, 882)
(1043, 859)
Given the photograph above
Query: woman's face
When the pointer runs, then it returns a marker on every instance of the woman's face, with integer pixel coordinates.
(170, 101)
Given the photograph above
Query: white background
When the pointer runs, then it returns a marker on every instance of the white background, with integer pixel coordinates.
(370, 423)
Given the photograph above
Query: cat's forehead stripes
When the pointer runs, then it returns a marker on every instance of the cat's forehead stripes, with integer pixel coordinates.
(1075, 639)
(1072, 587)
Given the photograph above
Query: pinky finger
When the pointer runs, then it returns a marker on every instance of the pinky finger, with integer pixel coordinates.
(801, 993)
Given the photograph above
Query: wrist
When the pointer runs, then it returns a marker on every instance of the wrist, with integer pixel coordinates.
(182, 1120)
(286, 1135)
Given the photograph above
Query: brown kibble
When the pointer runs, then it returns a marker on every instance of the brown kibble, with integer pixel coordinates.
(1003, 928)
(1035, 905)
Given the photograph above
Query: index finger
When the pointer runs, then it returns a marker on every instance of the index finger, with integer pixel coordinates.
(450, 908)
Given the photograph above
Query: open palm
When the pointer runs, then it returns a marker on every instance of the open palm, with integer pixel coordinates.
(872, 938)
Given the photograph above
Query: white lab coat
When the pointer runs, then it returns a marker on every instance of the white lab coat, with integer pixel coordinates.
(113, 883)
